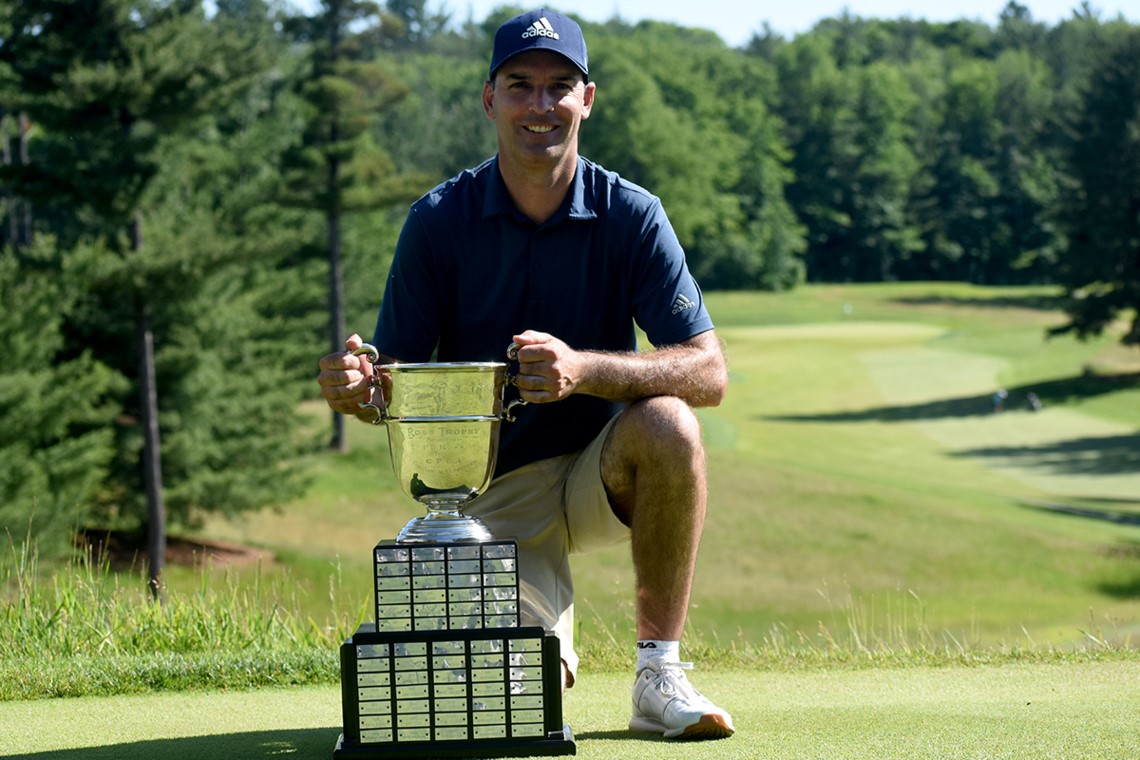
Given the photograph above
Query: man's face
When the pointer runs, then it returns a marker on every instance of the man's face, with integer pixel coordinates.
(537, 101)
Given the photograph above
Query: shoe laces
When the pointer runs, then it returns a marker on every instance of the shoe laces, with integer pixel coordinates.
(669, 678)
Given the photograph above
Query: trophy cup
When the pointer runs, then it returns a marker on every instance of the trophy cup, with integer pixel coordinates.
(446, 670)
(443, 431)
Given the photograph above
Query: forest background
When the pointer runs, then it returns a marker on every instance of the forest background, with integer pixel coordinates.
(198, 200)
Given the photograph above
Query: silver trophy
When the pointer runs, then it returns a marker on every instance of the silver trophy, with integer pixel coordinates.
(448, 669)
(443, 423)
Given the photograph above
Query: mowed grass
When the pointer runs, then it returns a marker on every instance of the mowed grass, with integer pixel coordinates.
(1082, 709)
(862, 495)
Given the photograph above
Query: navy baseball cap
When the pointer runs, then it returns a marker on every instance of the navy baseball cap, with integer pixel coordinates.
(540, 30)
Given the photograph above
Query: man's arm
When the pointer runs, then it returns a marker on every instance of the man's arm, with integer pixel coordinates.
(693, 370)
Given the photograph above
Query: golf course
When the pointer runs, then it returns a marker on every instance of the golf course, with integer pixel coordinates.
(892, 566)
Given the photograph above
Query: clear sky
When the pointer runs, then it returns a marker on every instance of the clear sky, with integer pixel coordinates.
(736, 20)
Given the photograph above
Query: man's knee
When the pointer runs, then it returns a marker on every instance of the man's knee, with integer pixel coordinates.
(659, 426)
(658, 438)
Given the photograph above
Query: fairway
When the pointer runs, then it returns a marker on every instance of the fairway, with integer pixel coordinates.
(1085, 710)
(947, 395)
(1060, 451)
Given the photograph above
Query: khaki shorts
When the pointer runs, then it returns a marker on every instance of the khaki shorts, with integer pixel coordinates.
(553, 508)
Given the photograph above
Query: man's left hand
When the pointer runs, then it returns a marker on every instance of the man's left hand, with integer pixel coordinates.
(549, 370)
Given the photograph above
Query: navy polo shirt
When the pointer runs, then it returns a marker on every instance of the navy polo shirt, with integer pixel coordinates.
(471, 271)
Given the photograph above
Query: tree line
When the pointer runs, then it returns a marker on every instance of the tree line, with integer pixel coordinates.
(199, 201)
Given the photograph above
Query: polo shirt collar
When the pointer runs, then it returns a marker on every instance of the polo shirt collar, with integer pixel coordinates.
(580, 202)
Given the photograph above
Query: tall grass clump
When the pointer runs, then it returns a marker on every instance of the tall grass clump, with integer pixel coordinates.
(82, 628)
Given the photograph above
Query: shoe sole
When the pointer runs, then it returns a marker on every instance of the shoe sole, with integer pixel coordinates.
(708, 727)
(711, 726)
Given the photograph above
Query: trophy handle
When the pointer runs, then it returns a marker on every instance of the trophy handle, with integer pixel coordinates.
(513, 355)
(508, 411)
(369, 351)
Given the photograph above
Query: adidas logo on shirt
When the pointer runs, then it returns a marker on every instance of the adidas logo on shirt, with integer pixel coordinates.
(681, 303)
(540, 28)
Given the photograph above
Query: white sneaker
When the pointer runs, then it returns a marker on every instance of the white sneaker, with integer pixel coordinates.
(666, 703)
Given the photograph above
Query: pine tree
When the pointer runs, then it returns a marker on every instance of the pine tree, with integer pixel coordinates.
(108, 80)
(55, 414)
(337, 168)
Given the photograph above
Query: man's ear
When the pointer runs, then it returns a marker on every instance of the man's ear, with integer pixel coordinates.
(489, 99)
(588, 99)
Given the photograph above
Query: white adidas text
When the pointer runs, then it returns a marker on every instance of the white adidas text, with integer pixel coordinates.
(541, 28)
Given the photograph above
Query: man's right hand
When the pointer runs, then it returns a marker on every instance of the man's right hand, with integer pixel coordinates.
(346, 379)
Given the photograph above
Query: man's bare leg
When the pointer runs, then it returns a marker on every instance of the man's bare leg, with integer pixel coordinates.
(653, 466)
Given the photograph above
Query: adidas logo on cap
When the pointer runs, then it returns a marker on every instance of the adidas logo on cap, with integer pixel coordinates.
(535, 30)
(540, 28)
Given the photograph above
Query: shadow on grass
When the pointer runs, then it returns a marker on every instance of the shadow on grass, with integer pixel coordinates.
(1099, 455)
(1050, 392)
(1124, 590)
(301, 743)
(310, 742)
(1119, 588)
(623, 735)
(1042, 302)
(1126, 513)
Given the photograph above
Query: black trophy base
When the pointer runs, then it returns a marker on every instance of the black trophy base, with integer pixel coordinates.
(491, 692)
(557, 744)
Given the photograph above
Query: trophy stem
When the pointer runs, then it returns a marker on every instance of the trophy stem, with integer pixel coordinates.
(444, 523)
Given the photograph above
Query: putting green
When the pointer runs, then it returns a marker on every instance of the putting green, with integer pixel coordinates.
(179, 726)
(1083, 710)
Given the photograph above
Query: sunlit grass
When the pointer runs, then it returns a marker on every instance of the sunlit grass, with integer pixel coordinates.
(80, 630)
(84, 609)
(842, 529)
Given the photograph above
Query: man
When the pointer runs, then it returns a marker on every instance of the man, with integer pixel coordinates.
(544, 248)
